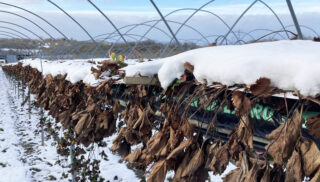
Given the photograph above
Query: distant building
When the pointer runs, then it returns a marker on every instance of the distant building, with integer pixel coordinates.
(2, 59)
(11, 58)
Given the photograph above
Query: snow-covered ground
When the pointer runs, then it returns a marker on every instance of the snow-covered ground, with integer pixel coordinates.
(24, 159)
(12, 168)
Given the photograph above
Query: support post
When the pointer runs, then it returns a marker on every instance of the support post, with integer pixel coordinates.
(295, 20)
(42, 126)
(167, 25)
(72, 157)
(29, 102)
(18, 89)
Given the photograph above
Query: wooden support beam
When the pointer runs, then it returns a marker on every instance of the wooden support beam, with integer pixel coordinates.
(141, 80)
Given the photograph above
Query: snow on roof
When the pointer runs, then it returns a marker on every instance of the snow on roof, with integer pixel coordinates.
(289, 64)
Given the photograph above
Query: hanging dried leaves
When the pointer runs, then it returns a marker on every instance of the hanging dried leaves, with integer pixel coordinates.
(261, 86)
(283, 139)
(188, 129)
(310, 155)
(196, 161)
(245, 131)
(92, 113)
(241, 102)
(313, 125)
(232, 176)
(188, 66)
(294, 168)
(178, 151)
(316, 177)
(158, 171)
(220, 160)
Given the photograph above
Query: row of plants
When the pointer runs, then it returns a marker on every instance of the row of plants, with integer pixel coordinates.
(168, 141)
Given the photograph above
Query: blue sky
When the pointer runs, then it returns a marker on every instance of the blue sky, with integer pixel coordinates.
(125, 12)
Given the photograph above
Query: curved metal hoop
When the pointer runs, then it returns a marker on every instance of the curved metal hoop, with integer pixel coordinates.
(8, 28)
(22, 28)
(10, 33)
(15, 14)
(73, 20)
(46, 21)
(10, 36)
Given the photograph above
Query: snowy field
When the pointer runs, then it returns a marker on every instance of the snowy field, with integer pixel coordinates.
(24, 159)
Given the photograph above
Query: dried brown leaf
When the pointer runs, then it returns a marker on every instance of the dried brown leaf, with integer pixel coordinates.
(254, 173)
(261, 86)
(232, 176)
(313, 125)
(294, 168)
(196, 161)
(158, 172)
(178, 172)
(188, 66)
(316, 177)
(220, 160)
(266, 175)
(187, 129)
(310, 156)
(277, 174)
(211, 150)
(241, 102)
(283, 139)
(81, 123)
(245, 131)
(157, 142)
(180, 149)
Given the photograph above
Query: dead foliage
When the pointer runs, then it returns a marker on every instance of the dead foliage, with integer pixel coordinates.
(241, 102)
(283, 139)
(294, 171)
(262, 86)
(91, 112)
(313, 125)
(188, 66)
(158, 172)
(316, 39)
(245, 131)
(77, 106)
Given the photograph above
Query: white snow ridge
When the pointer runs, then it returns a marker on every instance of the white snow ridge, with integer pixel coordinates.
(289, 64)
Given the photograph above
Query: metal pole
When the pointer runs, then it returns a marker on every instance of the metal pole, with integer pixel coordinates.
(8, 28)
(239, 18)
(9, 36)
(182, 25)
(18, 89)
(29, 20)
(73, 20)
(22, 28)
(72, 157)
(42, 128)
(29, 102)
(166, 23)
(36, 16)
(295, 20)
(114, 26)
(41, 109)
